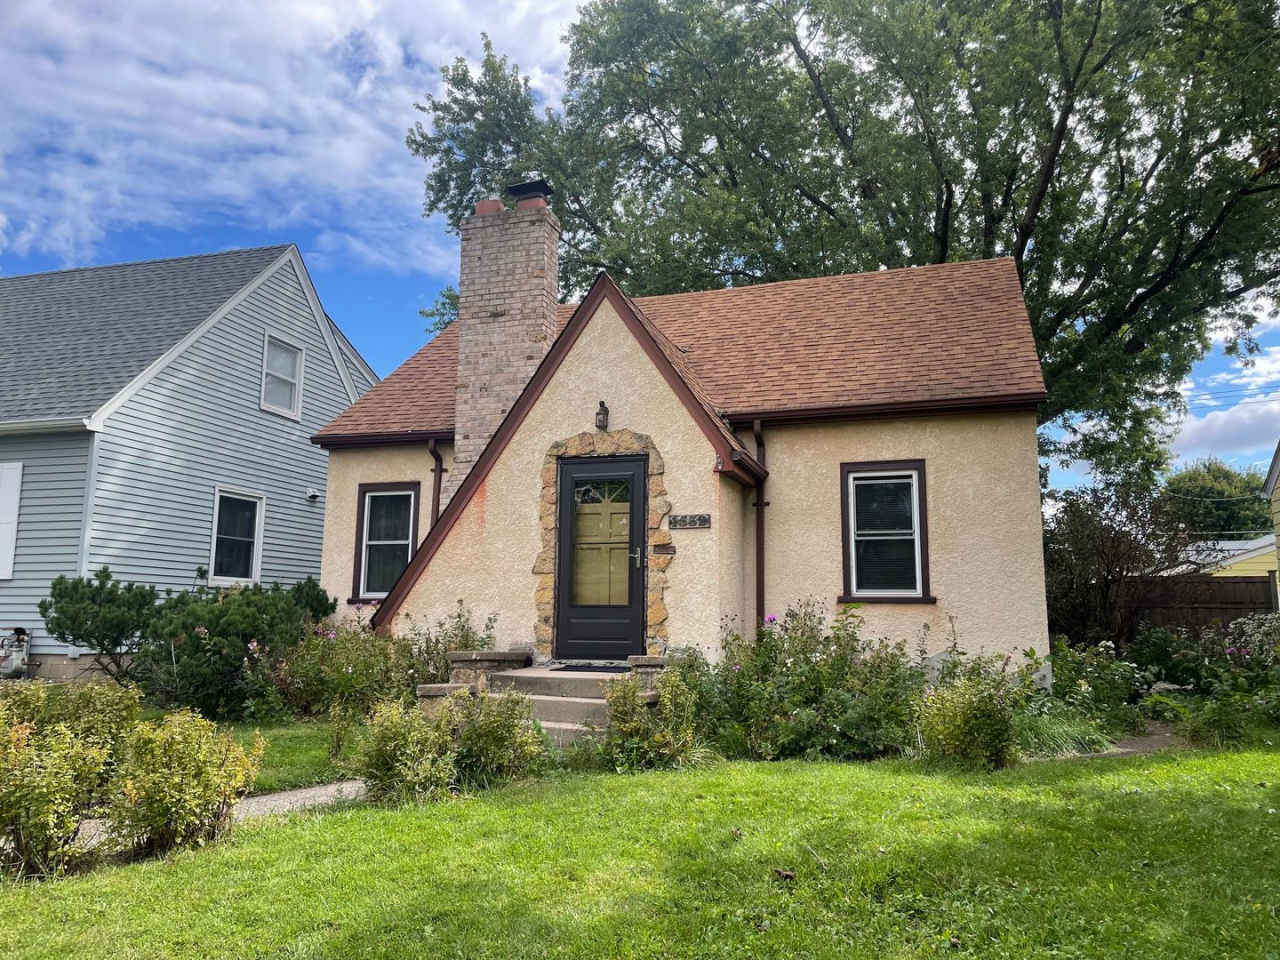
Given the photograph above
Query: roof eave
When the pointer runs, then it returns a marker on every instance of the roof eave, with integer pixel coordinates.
(331, 441)
(1009, 401)
(47, 425)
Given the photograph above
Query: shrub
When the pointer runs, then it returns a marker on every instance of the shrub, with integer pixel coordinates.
(643, 734)
(47, 783)
(406, 755)
(348, 667)
(970, 720)
(1243, 657)
(216, 650)
(177, 784)
(98, 714)
(102, 615)
(312, 600)
(1218, 721)
(1099, 684)
(800, 688)
(468, 743)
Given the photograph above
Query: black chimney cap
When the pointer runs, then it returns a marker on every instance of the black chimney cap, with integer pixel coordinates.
(530, 188)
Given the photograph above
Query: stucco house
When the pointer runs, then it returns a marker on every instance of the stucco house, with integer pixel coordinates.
(155, 417)
(619, 475)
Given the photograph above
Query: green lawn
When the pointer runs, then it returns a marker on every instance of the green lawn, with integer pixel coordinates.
(297, 754)
(1172, 855)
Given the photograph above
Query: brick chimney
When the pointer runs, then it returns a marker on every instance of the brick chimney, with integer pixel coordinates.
(508, 288)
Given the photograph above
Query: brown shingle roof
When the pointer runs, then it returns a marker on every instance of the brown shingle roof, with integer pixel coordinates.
(944, 335)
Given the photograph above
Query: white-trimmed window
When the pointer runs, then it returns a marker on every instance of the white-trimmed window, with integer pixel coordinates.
(885, 536)
(282, 363)
(10, 496)
(387, 532)
(235, 554)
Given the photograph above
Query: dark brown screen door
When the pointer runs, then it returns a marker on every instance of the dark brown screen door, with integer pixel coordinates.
(600, 574)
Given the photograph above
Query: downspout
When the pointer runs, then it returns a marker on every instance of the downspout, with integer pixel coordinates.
(438, 472)
(761, 503)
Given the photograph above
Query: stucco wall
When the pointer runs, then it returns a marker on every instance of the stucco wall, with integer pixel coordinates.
(487, 559)
(348, 468)
(986, 562)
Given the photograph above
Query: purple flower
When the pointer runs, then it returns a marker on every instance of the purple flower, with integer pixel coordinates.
(771, 619)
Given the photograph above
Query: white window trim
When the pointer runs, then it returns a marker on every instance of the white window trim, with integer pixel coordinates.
(240, 494)
(365, 542)
(870, 476)
(9, 525)
(294, 412)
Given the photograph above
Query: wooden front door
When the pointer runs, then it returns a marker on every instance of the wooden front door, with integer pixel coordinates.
(600, 574)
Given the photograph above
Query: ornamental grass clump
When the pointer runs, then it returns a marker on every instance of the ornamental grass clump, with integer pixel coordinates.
(178, 783)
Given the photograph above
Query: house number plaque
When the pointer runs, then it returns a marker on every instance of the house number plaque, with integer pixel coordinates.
(690, 521)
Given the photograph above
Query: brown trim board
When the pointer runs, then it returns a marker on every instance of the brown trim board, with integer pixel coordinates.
(602, 289)
(1011, 401)
(886, 466)
(335, 440)
(406, 486)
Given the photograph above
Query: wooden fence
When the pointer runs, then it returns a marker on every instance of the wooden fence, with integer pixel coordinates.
(1195, 601)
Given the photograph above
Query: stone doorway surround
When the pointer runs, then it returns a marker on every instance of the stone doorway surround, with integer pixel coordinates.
(604, 443)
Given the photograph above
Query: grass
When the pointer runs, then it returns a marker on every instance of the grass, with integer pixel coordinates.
(1170, 855)
(297, 754)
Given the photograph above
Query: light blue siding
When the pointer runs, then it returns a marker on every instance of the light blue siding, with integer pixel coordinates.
(50, 518)
(198, 425)
(356, 369)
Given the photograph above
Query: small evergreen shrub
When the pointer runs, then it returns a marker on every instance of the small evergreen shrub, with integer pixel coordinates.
(970, 720)
(312, 600)
(48, 778)
(103, 615)
(216, 651)
(177, 784)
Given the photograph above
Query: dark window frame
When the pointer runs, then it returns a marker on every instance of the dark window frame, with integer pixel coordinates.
(922, 521)
(362, 491)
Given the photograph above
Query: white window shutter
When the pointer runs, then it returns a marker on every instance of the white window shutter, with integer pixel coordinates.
(10, 490)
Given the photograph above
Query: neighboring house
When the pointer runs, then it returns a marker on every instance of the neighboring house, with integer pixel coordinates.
(154, 417)
(1242, 558)
(613, 477)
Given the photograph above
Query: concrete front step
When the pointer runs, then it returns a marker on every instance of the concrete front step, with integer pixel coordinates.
(544, 682)
(563, 734)
(580, 710)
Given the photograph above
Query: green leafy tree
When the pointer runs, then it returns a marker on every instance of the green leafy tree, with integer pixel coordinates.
(1124, 153)
(443, 312)
(103, 615)
(1213, 501)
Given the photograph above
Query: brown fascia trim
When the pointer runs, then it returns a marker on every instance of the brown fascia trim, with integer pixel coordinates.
(876, 466)
(1008, 401)
(331, 441)
(405, 486)
(602, 289)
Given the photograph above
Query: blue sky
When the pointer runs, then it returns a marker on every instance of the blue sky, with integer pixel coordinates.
(152, 129)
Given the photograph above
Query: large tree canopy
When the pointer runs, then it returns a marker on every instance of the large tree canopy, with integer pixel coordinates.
(1213, 501)
(1125, 153)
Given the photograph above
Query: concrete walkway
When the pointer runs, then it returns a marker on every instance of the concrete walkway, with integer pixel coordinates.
(94, 832)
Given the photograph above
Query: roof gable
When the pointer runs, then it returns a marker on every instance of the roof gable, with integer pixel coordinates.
(72, 340)
(730, 456)
(944, 336)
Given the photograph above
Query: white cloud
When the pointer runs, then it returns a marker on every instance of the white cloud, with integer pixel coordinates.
(288, 115)
(1249, 427)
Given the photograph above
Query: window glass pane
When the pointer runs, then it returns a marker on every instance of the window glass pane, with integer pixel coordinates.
(389, 516)
(883, 505)
(384, 562)
(279, 393)
(282, 359)
(233, 558)
(885, 564)
(601, 543)
(237, 517)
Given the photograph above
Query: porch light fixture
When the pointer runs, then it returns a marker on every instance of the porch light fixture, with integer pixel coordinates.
(602, 417)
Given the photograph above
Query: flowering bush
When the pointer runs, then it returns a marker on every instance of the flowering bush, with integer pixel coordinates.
(643, 735)
(346, 667)
(1099, 684)
(801, 687)
(178, 782)
(1242, 658)
(454, 632)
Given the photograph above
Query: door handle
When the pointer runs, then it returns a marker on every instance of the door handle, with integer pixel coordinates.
(636, 555)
